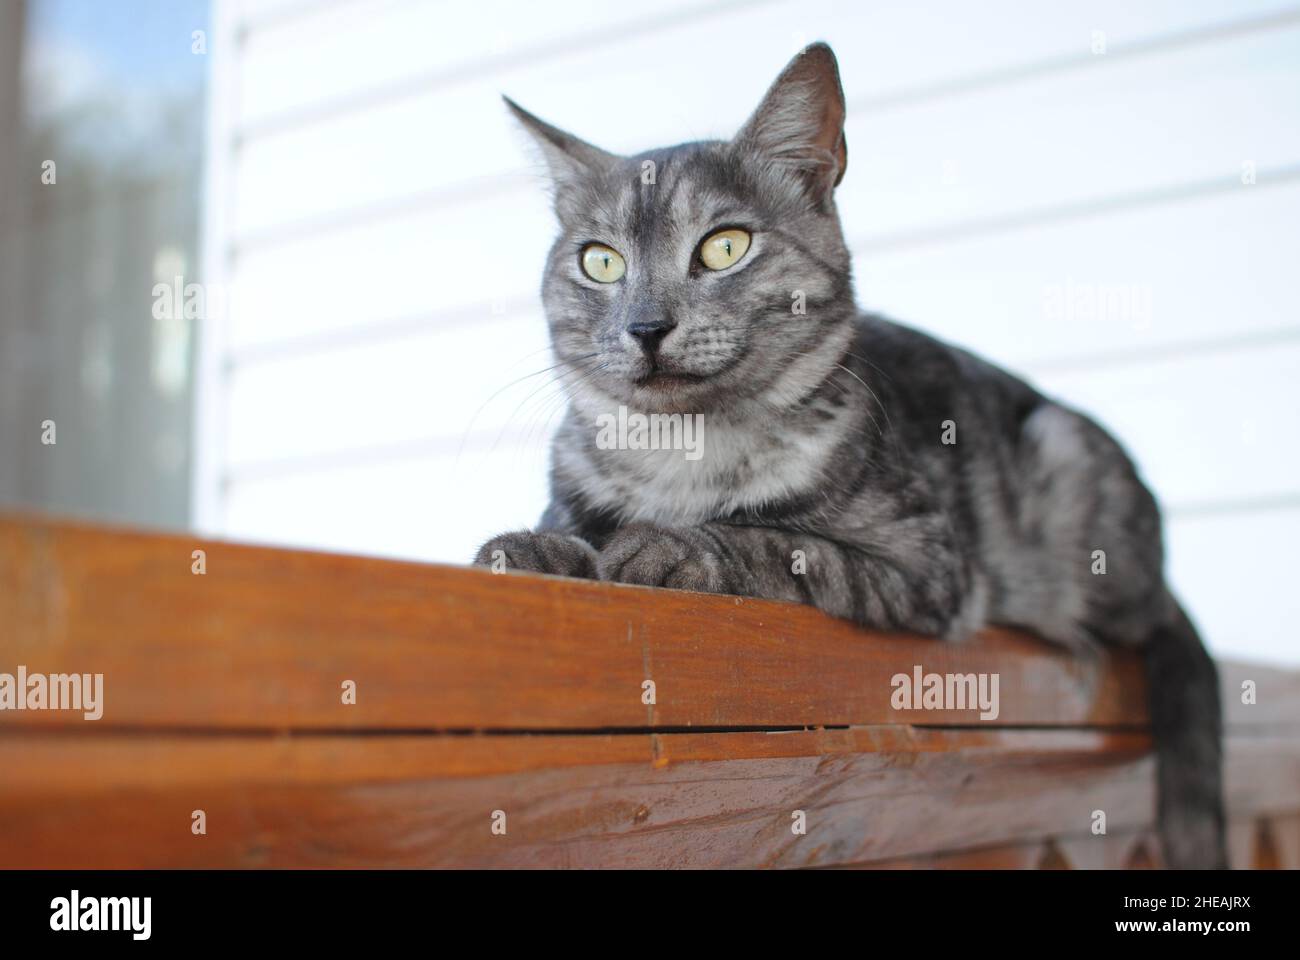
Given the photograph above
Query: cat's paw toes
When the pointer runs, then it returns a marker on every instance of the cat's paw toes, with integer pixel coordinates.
(555, 553)
(658, 557)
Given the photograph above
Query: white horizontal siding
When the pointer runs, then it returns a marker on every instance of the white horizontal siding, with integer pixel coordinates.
(393, 391)
(1078, 134)
(1206, 270)
(434, 263)
(1207, 427)
(386, 228)
(1236, 571)
(421, 507)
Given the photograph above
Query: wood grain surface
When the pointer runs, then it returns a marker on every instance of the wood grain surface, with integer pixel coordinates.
(479, 693)
(264, 639)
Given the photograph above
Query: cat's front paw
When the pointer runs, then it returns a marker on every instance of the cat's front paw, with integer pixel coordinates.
(555, 553)
(652, 556)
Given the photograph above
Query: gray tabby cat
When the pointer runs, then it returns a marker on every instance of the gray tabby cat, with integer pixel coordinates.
(671, 290)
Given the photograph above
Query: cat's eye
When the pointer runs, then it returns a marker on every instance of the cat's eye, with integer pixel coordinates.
(603, 264)
(724, 248)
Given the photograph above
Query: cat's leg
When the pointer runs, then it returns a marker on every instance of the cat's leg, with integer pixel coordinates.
(547, 551)
(928, 591)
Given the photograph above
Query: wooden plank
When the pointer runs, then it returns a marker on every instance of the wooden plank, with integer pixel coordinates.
(350, 801)
(479, 693)
(62, 763)
(1241, 843)
(1284, 831)
(1114, 850)
(1265, 842)
(265, 638)
(675, 800)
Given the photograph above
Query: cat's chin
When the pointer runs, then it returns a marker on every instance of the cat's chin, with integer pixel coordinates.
(671, 393)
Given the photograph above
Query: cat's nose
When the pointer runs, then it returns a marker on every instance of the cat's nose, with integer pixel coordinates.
(650, 333)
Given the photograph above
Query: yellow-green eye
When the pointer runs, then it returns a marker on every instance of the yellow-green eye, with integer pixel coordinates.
(724, 248)
(603, 264)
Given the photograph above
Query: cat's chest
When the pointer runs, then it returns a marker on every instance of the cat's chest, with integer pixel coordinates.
(732, 468)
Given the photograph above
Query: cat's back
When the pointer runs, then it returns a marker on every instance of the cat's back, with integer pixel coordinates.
(923, 380)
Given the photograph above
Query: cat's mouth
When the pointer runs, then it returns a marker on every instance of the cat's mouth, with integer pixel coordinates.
(665, 379)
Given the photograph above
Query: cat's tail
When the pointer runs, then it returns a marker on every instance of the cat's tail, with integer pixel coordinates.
(1186, 723)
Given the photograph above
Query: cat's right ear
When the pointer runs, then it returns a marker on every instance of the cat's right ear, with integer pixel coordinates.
(799, 126)
(567, 157)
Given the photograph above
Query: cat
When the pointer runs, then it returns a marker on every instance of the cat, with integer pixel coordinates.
(928, 490)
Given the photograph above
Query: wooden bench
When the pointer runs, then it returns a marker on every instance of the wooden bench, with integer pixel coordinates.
(486, 701)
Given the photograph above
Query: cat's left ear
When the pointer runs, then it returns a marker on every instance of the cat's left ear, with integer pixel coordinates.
(800, 123)
(567, 157)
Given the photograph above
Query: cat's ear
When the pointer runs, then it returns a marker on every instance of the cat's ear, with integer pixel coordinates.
(800, 123)
(567, 157)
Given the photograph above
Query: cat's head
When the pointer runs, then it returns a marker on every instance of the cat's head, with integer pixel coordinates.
(706, 276)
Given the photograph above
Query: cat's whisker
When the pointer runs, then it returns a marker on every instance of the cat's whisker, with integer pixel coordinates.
(552, 405)
(549, 384)
(879, 403)
(541, 413)
(556, 401)
(874, 366)
(536, 373)
(876, 401)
